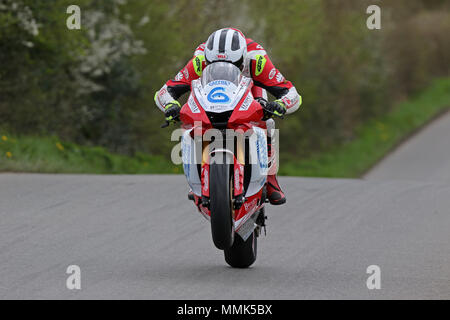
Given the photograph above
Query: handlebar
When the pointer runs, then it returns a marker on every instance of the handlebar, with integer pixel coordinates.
(271, 114)
(167, 123)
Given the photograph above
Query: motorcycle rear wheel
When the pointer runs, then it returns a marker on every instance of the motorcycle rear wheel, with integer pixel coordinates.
(242, 254)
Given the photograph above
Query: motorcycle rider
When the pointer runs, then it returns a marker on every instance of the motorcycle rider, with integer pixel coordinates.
(230, 45)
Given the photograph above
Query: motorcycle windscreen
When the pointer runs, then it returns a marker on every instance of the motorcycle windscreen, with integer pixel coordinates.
(221, 71)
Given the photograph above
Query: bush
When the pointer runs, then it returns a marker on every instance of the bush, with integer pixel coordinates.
(95, 86)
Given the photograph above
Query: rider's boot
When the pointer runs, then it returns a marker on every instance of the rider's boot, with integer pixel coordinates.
(274, 192)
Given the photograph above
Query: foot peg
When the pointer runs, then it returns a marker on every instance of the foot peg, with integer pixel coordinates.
(238, 202)
(261, 221)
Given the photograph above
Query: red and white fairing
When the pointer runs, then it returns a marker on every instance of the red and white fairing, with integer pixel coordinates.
(220, 96)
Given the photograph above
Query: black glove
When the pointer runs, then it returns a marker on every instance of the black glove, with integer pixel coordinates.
(276, 107)
(172, 111)
(261, 101)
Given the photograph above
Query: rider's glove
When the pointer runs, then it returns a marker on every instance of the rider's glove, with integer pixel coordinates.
(261, 101)
(276, 107)
(172, 111)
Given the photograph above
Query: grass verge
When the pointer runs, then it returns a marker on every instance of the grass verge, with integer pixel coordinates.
(50, 155)
(375, 139)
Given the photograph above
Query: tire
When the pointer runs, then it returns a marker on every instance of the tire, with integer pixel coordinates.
(222, 227)
(243, 253)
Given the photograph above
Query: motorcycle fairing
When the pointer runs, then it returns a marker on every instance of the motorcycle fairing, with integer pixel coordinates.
(190, 158)
(246, 115)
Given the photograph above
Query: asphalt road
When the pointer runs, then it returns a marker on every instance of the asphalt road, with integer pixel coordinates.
(424, 157)
(138, 237)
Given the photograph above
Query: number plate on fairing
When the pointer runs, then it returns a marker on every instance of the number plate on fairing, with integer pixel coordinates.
(220, 95)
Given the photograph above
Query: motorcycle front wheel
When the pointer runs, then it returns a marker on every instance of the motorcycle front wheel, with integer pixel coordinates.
(222, 227)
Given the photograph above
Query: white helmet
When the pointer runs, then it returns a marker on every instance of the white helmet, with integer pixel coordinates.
(228, 45)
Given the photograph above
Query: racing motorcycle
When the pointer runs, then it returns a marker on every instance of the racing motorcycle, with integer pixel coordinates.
(225, 159)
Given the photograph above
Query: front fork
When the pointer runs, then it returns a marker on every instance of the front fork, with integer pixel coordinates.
(238, 175)
(238, 180)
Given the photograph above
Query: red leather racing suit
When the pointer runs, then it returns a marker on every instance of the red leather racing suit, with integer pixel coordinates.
(257, 65)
